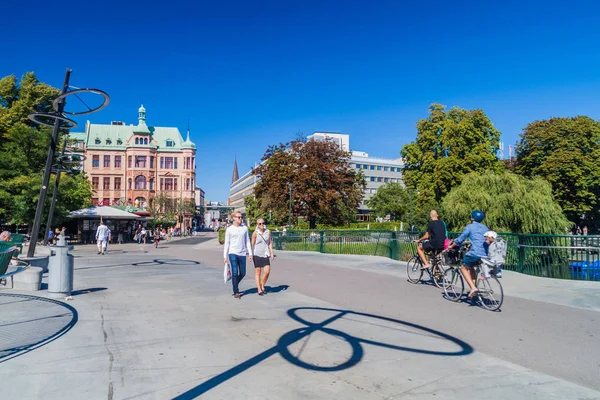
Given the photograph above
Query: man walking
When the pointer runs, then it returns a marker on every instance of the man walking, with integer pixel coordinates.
(237, 246)
(101, 237)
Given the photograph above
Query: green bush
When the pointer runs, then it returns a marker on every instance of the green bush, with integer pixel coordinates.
(222, 235)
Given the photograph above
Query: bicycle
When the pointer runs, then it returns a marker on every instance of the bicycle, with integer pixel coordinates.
(490, 294)
(414, 271)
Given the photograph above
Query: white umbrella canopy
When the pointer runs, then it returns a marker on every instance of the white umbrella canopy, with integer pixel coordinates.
(102, 212)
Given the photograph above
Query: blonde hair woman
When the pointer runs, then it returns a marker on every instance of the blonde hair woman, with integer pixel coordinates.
(262, 248)
(5, 236)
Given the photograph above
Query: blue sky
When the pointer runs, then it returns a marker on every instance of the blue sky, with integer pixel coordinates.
(247, 74)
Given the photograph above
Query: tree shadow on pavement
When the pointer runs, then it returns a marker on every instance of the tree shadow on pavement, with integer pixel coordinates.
(32, 323)
(356, 344)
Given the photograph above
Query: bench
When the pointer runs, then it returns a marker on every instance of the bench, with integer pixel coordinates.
(6, 256)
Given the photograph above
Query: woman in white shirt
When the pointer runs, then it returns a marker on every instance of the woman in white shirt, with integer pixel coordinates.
(262, 248)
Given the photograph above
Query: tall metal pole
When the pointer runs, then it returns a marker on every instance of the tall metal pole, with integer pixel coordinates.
(291, 185)
(54, 194)
(46, 179)
(410, 201)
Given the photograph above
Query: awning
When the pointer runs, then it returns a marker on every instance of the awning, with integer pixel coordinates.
(102, 212)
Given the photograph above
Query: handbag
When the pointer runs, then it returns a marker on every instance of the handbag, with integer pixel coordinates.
(226, 273)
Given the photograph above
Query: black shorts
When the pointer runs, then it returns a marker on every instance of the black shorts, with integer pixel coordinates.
(260, 262)
(428, 248)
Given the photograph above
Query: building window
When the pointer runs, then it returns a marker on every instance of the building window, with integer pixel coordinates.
(137, 140)
(95, 181)
(379, 168)
(106, 183)
(372, 179)
(145, 140)
(372, 167)
(117, 161)
(117, 183)
(386, 179)
(357, 166)
(129, 161)
(193, 162)
(393, 169)
(95, 161)
(385, 168)
(151, 184)
(151, 161)
(187, 184)
(162, 183)
(119, 142)
(130, 183)
(379, 179)
(168, 162)
(106, 162)
(108, 141)
(169, 185)
(97, 141)
(140, 182)
(140, 161)
(170, 143)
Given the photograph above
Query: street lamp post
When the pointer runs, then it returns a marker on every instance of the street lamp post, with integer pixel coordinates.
(291, 185)
(410, 208)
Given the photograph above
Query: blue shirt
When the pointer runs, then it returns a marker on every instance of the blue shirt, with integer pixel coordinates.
(474, 232)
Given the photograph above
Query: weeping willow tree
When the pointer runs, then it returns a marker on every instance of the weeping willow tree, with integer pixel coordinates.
(511, 203)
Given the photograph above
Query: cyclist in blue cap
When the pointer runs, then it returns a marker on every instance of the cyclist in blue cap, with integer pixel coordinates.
(474, 232)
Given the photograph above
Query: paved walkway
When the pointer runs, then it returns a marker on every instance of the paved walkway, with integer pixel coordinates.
(151, 323)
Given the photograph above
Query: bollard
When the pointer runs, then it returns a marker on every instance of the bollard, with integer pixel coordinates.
(61, 240)
(60, 272)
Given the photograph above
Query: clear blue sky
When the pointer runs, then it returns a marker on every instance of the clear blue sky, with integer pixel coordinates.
(252, 73)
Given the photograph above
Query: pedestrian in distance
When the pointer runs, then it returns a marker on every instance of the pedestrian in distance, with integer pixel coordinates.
(156, 237)
(262, 249)
(237, 246)
(101, 236)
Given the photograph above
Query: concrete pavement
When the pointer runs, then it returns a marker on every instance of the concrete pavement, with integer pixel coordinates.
(160, 324)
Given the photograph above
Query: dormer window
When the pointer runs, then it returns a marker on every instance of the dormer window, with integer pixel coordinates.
(170, 143)
(145, 140)
(137, 140)
(119, 142)
(108, 141)
(97, 141)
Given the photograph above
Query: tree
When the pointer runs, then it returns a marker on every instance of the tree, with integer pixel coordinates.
(512, 203)
(323, 185)
(391, 198)
(23, 151)
(449, 145)
(253, 211)
(565, 152)
(163, 209)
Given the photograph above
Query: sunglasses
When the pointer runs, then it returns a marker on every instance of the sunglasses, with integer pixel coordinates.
(261, 223)
(237, 216)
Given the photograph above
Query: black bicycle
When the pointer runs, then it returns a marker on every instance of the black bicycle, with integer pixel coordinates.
(415, 271)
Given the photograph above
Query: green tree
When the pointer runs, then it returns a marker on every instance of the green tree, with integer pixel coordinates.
(391, 198)
(253, 210)
(23, 150)
(449, 145)
(324, 187)
(512, 203)
(565, 152)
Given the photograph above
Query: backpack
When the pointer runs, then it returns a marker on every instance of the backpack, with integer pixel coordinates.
(497, 251)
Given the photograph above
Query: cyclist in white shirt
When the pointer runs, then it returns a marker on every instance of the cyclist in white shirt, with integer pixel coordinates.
(237, 246)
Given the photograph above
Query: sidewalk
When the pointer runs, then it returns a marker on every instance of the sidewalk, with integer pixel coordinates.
(571, 293)
(160, 323)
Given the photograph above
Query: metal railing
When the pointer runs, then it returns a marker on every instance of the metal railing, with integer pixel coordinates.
(553, 256)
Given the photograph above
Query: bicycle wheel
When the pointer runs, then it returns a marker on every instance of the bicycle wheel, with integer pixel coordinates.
(453, 284)
(490, 293)
(437, 275)
(413, 270)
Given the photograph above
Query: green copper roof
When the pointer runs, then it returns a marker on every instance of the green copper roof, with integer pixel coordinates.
(119, 137)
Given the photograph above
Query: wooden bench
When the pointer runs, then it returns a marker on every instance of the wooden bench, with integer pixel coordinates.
(6, 256)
